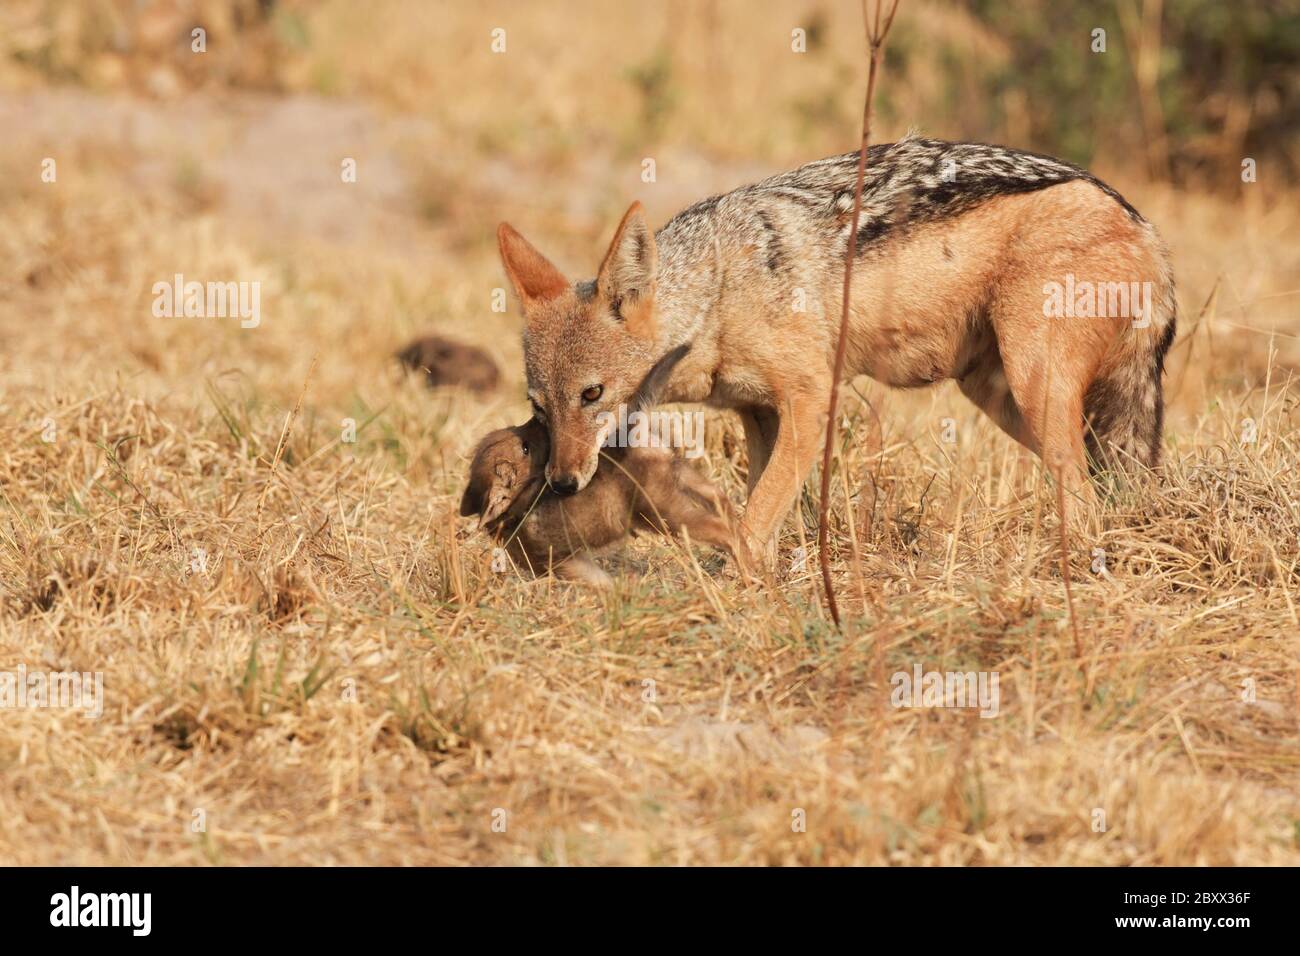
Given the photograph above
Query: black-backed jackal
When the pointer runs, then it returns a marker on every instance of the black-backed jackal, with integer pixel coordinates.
(1036, 286)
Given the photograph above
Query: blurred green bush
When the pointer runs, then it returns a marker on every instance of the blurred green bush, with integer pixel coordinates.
(1194, 86)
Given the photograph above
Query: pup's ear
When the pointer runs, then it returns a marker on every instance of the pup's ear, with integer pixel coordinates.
(471, 502)
(499, 499)
(531, 273)
(652, 386)
(627, 276)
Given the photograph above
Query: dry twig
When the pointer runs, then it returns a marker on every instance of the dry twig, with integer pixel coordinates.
(876, 34)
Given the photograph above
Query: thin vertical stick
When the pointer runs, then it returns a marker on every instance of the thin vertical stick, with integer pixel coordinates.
(875, 44)
(853, 542)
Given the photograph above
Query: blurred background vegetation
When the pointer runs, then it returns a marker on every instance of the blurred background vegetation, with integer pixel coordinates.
(1184, 89)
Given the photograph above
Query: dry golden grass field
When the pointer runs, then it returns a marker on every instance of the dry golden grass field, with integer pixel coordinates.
(306, 655)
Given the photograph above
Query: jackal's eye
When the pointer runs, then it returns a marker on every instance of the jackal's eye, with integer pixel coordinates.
(525, 448)
(591, 393)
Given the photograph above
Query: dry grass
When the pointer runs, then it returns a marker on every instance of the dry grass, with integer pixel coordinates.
(345, 680)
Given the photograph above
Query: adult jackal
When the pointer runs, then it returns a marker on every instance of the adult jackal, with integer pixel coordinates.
(963, 254)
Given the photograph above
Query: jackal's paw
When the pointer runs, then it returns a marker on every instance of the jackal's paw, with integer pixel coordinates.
(743, 567)
(731, 571)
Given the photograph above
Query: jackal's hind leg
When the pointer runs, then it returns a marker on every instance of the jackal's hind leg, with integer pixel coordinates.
(1048, 374)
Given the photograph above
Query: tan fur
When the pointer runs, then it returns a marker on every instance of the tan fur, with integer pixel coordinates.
(958, 297)
(633, 490)
(911, 324)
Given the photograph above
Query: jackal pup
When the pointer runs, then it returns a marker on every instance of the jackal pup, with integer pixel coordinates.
(633, 490)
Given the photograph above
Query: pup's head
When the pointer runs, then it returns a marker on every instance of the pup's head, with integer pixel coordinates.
(508, 464)
(587, 348)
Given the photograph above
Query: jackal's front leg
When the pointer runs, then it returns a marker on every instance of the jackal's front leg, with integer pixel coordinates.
(799, 434)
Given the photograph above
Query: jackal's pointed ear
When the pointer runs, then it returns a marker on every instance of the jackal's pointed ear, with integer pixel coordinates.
(530, 272)
(627, 276)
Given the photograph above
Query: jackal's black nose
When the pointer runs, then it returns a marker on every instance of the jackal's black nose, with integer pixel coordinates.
(565, 486)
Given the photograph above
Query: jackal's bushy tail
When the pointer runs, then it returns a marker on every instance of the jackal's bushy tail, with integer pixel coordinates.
(1124, 407)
